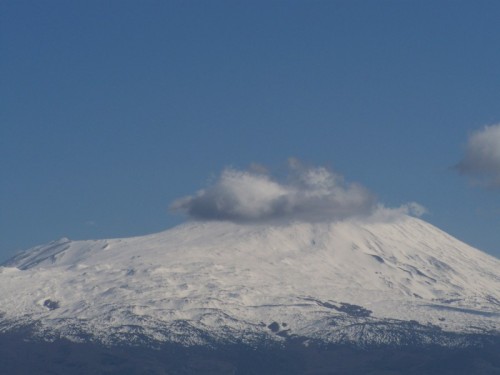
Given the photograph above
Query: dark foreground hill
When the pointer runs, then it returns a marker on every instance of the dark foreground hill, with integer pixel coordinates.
(62, 357)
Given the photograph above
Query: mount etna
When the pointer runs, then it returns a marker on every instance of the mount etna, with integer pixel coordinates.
(349, 296)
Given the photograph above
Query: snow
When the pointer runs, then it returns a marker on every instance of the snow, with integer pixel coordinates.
(232, 280)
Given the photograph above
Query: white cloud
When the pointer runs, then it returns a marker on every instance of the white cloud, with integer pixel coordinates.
(385, 214)
(236, 196)
(481, 161)
(309, 194)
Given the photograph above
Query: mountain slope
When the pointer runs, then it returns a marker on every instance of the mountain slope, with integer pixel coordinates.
(201, 283)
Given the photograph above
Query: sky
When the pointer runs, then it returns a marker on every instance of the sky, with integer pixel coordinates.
(122, 118)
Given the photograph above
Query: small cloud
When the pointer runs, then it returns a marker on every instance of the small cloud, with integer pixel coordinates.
(309, 194)
(415, 209)
(384, 214)
(481, 161)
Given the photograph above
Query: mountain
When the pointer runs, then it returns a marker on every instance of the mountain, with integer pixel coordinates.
(356, 283)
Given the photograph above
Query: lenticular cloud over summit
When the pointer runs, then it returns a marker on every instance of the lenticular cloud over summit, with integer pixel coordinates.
(308, 194)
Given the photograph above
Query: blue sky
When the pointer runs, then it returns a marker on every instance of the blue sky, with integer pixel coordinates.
(112, 110)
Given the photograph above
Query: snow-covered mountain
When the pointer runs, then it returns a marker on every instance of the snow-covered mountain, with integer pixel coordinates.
(352, 281)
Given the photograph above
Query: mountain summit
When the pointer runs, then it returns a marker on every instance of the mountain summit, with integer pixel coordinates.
(203, 283)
